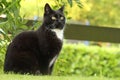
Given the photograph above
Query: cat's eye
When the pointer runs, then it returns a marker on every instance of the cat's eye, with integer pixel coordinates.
(62, 18)
(53, 18)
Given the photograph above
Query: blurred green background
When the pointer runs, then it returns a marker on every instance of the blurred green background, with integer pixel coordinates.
(97, 12)
(75, 59)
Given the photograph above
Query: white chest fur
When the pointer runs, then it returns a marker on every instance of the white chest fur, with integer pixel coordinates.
(59, 33)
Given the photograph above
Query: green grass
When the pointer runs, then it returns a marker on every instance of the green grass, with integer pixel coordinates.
(31, 77)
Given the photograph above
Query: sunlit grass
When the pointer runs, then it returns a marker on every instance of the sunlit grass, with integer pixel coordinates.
(31, 77)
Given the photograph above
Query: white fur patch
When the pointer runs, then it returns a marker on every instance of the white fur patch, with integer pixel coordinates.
(52, 61)
(59, 33)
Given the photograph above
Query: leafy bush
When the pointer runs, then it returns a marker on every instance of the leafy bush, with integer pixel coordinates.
(2, 52)
(14, 23)
(88, 61)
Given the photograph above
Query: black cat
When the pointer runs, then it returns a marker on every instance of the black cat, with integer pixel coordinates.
(35, 52)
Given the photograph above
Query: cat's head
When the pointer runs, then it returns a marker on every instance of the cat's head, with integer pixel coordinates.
(54, 19)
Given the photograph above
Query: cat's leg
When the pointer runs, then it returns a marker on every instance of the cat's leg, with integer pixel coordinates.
(51, 69)
(51, 64)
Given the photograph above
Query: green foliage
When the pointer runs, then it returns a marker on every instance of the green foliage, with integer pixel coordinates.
(14, 23)
(97, 12)
(107, 13)
(3, 44)
(70, 2)
(88, 61)
(37, 6)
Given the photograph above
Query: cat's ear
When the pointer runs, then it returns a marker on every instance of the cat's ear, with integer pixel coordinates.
(62, 8)
(47, 8)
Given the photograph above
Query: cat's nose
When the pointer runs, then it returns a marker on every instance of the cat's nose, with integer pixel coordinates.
(59, 21)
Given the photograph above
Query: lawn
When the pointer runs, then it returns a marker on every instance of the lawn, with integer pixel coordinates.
(31, 77)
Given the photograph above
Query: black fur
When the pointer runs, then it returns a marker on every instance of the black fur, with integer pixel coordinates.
(31, 52)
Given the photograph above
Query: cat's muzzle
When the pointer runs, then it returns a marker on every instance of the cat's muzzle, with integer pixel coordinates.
(59, 26)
